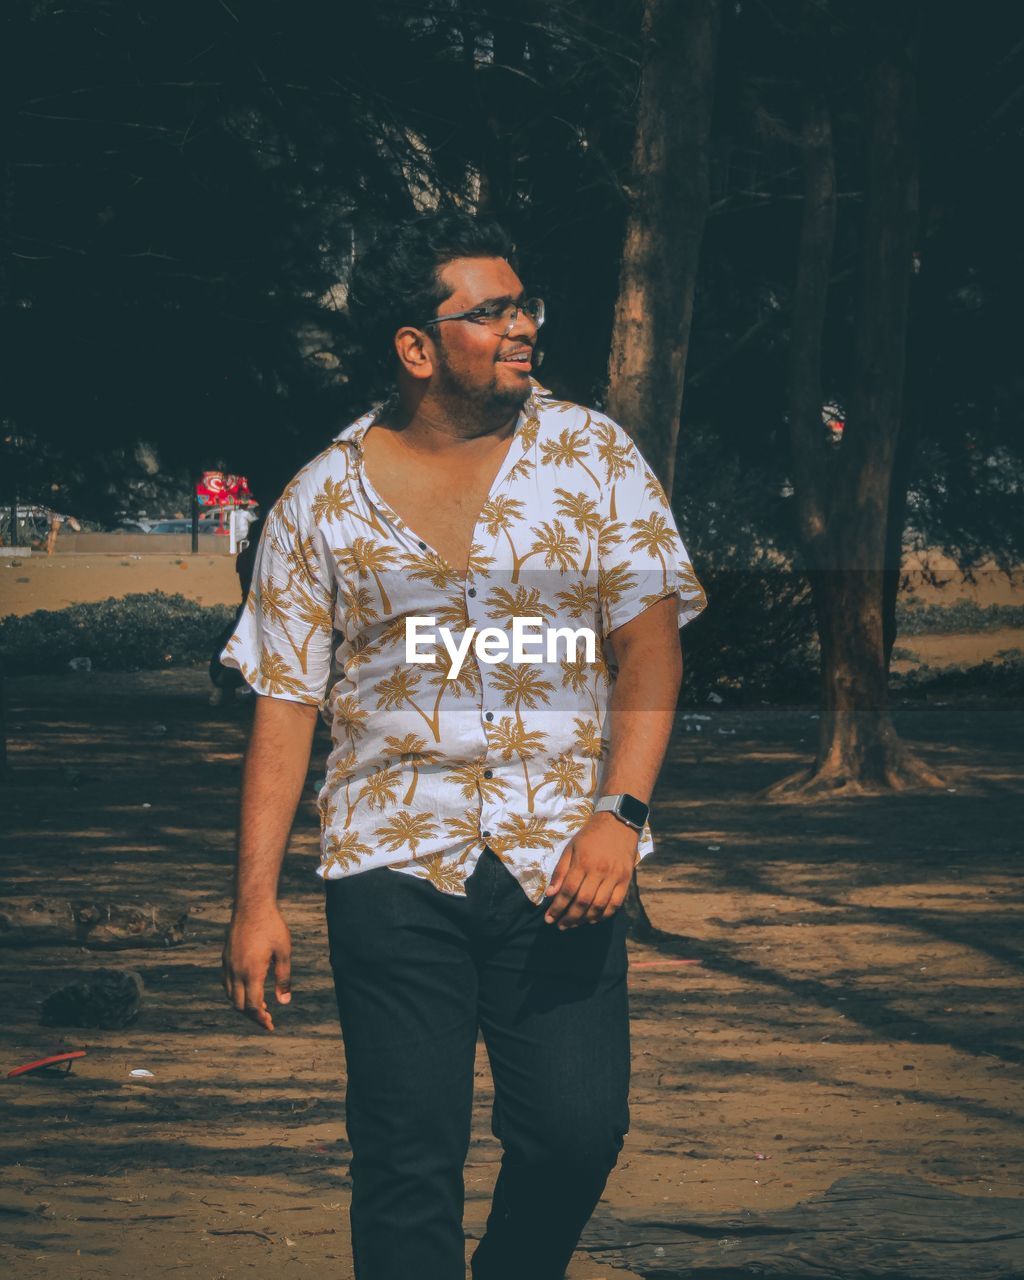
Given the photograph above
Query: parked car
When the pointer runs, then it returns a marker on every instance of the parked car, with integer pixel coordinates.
(183, 526)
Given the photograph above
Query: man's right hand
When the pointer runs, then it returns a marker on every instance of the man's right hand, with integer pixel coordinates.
(255, 939)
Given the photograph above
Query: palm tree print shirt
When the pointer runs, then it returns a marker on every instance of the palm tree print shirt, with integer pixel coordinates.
(426, 771)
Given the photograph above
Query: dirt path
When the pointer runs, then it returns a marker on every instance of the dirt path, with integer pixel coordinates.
(849, 1000)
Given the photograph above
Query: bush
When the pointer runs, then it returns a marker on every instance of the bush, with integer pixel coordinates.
(756, 639)
(136, 633)
(1003, 679)
(917, 619)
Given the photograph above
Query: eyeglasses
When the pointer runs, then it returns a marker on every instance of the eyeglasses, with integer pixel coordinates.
(499, 317)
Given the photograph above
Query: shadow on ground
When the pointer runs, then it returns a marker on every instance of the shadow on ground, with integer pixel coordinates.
(832, 1002)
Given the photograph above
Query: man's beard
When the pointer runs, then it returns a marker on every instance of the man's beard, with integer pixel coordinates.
(488, 400)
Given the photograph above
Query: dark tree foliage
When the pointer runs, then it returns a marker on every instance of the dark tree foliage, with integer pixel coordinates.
(958, 468)
(183, 186)
(963, 448)
(967, 387)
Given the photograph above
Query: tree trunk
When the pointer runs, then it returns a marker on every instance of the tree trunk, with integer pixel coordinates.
(845, 502)
(668, 196)
(497, 92)
(921, 395)
(858, 750)
(896, 525)
(5, 773)
(11, 25)
(657, 280)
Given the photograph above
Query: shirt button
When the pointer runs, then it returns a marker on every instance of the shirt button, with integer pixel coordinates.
(485, 834)
(471, 591)
(423, 546)
(488, 715)
(488, 773)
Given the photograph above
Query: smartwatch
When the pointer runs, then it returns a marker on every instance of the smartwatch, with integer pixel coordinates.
(627, 809)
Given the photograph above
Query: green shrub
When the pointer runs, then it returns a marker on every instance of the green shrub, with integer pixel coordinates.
(135, 633)
(755, 640)
(995, 679)
(963, 615)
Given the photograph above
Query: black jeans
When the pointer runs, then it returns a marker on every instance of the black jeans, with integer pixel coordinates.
(417, 972)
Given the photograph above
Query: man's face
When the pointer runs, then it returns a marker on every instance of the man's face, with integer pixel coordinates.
(474, 363)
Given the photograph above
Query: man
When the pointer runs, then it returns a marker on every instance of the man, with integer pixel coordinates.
(54, 530)
(239, 520)
(227, 680)
(509, 796)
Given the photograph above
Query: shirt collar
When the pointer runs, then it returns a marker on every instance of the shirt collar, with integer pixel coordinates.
(353, 434)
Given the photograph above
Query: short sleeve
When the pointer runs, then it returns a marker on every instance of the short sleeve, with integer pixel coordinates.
(282, 643)
(642, 558)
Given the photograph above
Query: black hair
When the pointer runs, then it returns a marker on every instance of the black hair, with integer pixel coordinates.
(395, 280)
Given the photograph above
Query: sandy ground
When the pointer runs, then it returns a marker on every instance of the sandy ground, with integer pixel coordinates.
(959, 649)
(838, 992)
(54, 582)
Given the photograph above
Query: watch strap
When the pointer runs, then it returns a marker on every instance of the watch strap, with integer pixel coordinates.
(612, 804)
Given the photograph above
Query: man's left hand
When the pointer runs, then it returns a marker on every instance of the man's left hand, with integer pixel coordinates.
(592, 877)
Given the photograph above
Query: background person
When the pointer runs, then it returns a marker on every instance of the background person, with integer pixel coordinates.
(228, 680)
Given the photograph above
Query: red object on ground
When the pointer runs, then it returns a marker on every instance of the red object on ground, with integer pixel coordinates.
(55, 1060)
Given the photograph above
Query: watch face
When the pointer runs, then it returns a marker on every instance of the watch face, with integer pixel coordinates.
(633, 810)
